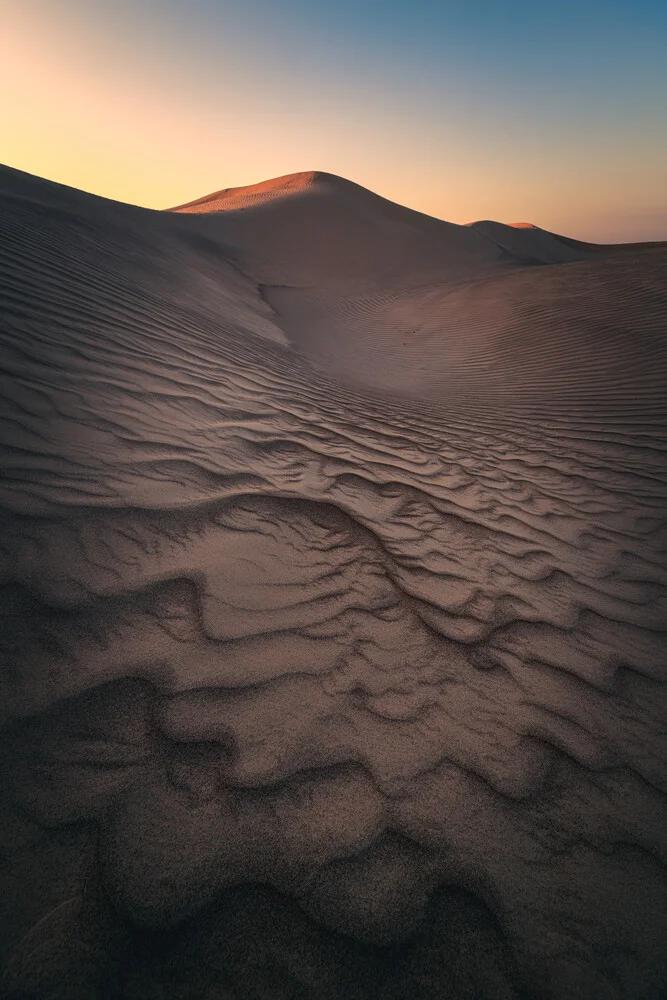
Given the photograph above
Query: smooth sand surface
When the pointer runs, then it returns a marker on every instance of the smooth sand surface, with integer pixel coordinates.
(334, 602)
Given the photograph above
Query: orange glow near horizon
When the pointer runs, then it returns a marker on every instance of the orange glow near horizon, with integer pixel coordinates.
(107, 119)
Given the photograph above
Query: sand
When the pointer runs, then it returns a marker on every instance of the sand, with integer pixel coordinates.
(334, 601)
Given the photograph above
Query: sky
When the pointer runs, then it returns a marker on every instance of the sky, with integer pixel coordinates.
(523, 111)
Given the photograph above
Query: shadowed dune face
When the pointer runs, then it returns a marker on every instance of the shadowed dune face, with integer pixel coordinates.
(334, 602)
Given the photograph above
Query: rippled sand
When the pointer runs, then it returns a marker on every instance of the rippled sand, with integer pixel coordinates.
(334, 602)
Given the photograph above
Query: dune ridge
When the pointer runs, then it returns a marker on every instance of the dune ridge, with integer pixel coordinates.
(369, 290)
(276, 187)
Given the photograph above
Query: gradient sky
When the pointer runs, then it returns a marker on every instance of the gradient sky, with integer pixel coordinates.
(552, 113)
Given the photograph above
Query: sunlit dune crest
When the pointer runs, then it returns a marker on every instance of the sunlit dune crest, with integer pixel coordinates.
(252, 194)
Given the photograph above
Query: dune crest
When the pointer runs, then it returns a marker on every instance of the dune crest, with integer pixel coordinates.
(252, 194)
(381, 295)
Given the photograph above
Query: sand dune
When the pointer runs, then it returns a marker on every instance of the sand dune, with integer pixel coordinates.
(318, 214)
(334, 602)
(377, 294)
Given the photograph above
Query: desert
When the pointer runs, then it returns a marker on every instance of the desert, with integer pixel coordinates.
(334, 601)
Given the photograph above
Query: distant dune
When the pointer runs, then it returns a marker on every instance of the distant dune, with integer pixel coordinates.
(333, 576)
(378, 293)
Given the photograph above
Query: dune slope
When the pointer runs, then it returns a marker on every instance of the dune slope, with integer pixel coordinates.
(384, 297)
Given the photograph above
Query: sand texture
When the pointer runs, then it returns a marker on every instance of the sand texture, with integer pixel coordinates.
(333, 611)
